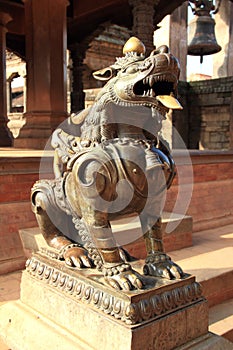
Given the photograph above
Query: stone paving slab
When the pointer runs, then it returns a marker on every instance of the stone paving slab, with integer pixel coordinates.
(221, 319)
(210, 255)
(10, 286)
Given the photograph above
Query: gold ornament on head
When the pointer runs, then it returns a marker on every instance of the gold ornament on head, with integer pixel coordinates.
(134, 45)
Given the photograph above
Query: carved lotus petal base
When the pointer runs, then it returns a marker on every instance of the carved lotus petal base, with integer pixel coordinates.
(160, 297)
(61, 307)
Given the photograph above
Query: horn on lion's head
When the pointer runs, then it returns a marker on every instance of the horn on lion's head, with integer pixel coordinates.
(105, 73)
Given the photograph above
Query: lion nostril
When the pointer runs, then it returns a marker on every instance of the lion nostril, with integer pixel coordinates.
(163, 49)
(154, 52)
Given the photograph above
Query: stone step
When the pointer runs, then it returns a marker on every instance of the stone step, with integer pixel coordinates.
(176, 229)
(221, 319)
(210, 259)
(177, 234)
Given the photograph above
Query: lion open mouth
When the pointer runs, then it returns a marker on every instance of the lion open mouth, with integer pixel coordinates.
(161, 87)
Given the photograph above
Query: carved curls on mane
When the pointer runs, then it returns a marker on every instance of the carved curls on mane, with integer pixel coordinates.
(99, 124)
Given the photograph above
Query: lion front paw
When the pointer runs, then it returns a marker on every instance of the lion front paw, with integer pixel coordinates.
(122, 277)
(160, 265)
(76, 256)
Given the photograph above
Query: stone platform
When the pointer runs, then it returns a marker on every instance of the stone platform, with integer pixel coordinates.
(127, 233)
(64, 308)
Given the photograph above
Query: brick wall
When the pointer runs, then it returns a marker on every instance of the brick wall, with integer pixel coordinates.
(206, 119)
(211, 201)
(18, 171)
(215, 126)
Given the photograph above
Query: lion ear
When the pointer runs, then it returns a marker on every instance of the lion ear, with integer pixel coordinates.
(105, 73)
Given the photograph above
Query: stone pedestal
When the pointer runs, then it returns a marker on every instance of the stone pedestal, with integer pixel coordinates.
(64, 308)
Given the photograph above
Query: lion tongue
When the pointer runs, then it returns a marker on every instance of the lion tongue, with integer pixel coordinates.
(169, 101)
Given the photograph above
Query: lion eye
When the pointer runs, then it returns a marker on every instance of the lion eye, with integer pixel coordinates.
(131, 69)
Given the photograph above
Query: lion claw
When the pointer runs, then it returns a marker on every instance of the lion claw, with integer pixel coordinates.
(77, 257)
(161, 265)
(123, 278)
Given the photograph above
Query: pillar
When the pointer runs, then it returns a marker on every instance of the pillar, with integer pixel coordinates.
(77, 54)
(173, 33)
(231, 123)
(46, 44)
(143, 21)
(173, 30)
(223, 60)
(9, 96)
(23, 73)
(178, 37)
(24, 91)
(5, 136)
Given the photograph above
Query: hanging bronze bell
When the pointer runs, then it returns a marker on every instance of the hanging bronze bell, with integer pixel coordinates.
(201, 38)
(204, 41)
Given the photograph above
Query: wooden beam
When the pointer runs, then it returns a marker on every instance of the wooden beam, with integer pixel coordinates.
(86, 8)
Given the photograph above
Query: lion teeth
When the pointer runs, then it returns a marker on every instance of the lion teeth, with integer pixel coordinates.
(151, 81)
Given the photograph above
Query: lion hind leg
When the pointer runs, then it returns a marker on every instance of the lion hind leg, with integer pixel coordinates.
(47, 214)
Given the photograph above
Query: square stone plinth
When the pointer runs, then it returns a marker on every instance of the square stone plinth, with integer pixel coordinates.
(68, 309)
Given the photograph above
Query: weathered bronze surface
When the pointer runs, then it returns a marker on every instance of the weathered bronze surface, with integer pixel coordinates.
(117, 166)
